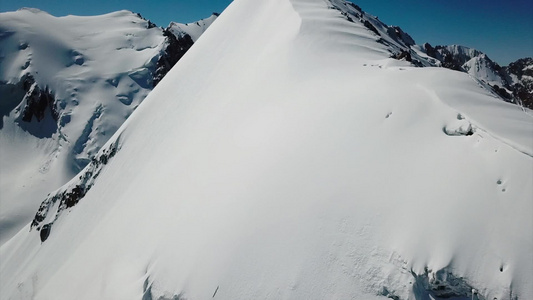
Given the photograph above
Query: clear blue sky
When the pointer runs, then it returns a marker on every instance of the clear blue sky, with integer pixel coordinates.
(503, 29)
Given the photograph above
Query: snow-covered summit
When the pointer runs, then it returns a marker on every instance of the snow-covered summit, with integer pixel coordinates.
(66, 85)
(502, 80)
(298, 161)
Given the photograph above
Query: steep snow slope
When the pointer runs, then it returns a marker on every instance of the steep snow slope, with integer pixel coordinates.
(297, 161)
(66, 85)
(504, 81)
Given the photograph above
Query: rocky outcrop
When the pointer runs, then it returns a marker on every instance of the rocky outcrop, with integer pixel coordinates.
(443, 284)
(400, 36)
(34, 107)
(177, 46)
(448, 60)
(70, 194)
(405, 55)
(36, 101)
(520, 73)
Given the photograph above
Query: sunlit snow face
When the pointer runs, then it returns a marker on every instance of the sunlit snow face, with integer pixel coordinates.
(298, 161)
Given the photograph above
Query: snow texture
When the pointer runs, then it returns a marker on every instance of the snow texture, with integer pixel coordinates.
(66, 86)
(299, 161)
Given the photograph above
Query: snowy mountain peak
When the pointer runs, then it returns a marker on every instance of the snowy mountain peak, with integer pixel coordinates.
(67, 84)
(304, 159)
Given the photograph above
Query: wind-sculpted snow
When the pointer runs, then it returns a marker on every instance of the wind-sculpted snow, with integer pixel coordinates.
(67, 84)
(297, 161)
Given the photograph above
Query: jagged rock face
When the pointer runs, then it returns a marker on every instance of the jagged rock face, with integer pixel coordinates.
(403, 55)
(443, 284)
(176, 48)
(521, 67)
(521, 74)
(37, 101)
(450, 60)
(72, 193)
(32, 104)
(398, 34)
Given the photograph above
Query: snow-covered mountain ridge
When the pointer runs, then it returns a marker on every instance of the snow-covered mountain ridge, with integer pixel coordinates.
(514, 83)
(298, 161)
(66, 85)
(507, 82)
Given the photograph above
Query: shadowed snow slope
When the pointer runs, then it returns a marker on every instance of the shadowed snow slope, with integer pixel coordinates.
(296, 160)
(96, 71)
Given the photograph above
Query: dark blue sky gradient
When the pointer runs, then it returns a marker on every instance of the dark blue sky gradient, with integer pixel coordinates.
(503, 29)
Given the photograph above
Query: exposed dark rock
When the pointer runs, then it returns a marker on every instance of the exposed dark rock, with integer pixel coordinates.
(524, 94)
(70, 195)
(177, 47)
(35, 107)
(147, 289)
(522, 88)
(403, 55)
(520, 67)
(430, 50)
(23, 46)
(347, 16)
(149, 23)
(37, 101)
(400, 36)
(371, 27)
(73, 197)
(502, 92)
(45, 232)
(443, 285)
(450, 62)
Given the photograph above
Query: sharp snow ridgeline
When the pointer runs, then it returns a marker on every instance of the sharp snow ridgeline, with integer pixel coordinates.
(316, 154)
